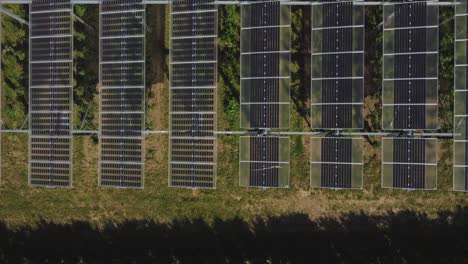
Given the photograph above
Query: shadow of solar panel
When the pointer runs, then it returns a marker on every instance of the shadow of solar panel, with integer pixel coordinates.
(264, 162)
(409, 163)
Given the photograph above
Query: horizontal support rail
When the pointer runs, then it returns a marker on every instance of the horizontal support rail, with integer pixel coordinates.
(260, 133)
(292, 3)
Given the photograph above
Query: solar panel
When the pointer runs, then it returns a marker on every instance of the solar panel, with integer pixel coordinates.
(50, 93)
(460, 146)
(264, 162)
(337, 77)
(410, 66)
(122, 93)
(409, 163)
(265, 64)
(193, 82)
(336, 163)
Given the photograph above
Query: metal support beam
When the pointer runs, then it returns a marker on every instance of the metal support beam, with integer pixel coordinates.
(254, 132)
(292, 3)
(16, 17)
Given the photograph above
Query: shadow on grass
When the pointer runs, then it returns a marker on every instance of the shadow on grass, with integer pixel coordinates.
(404, 237)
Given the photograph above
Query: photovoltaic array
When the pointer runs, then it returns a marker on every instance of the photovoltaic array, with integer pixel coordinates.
(337, 65)
(265, 64)
(122, 93)
(336, 163)
(193, 82)
(50, 93)
(409, 163)
(410, 66)
(264, 162)
(265, 92)
(460, 146)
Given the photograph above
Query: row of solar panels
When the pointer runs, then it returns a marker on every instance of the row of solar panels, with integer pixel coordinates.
(337, 163)
(460, 144)
(410, 66)
(337, 81)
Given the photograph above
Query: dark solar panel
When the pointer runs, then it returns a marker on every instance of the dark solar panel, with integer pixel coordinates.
(265, 59)
(412, 174)
(263, 13)
(50, 91)
(336, 37)
(264, 169)
(410, 62)
(193, 81)
(122, 78)
(336, 152)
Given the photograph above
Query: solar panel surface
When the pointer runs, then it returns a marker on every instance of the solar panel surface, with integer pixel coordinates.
(336, 163)
(193, 82)
(409, 163)
(264, 162)
(122, 96)
(460, 146)
(337, 65)
(410, 66)
(50, 93)
(265, 64)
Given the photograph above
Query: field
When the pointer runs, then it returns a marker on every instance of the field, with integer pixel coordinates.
(230, 213)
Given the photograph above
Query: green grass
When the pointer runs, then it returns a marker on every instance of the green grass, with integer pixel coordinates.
(21, 204)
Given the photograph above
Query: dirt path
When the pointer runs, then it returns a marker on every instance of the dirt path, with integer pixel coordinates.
(158, 49)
